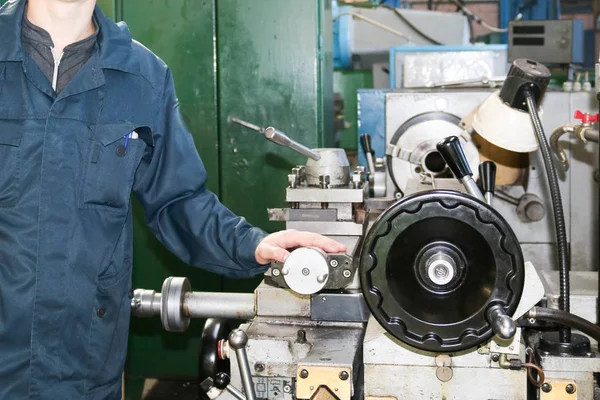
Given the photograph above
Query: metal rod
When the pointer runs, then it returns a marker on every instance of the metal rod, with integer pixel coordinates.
(471, 187)
(235, 392)
(489, 198)
(247, 125)
(305, 151)
(237, 341)
(245, 373)
(238, 306)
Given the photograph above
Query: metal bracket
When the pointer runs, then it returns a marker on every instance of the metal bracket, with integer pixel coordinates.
(337, 380)
(558, 389)
(341, 272)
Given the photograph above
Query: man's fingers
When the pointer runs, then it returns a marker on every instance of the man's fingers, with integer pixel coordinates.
(270, 252)
(308, 239)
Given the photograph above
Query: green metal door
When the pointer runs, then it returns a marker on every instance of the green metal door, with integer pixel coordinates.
(275, 69)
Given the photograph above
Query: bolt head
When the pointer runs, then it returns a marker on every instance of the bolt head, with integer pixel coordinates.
(259, 367)
(347, 273)
(570, 388)
(547, 388)
(305, 271)
(344, 375)
(334, 263)
(495, 357)
(304, 374)
(275, 272)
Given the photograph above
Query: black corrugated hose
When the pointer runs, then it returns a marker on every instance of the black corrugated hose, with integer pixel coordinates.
(559, 216)
(566, 319)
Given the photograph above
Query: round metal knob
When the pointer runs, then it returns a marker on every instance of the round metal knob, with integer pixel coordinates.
(306, 270)
(238, 339)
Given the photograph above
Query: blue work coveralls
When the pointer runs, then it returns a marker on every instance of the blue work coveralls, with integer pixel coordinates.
(65, 213)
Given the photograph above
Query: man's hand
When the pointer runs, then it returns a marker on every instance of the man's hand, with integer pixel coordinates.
(274, 247)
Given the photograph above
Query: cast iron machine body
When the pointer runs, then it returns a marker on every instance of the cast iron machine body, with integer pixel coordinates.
(435, 297)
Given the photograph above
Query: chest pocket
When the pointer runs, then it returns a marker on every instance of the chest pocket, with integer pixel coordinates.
(11, 134)
(111, 164)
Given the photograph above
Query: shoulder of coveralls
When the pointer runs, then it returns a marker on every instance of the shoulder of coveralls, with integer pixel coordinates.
(120, 51)
(152, 67)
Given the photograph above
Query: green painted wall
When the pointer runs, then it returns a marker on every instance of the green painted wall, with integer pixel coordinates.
(275, 68)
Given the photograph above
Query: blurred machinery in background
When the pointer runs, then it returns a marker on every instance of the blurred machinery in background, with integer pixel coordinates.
(449, 289)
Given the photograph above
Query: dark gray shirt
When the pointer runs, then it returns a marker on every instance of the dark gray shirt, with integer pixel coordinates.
(38, 43)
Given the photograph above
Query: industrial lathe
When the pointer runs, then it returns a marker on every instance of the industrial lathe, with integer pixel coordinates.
(471, 270)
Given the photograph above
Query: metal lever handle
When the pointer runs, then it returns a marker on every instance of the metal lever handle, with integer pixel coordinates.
(487, 174)
(213, 388)
(279, 138)
(282, 139)
(237, 341)
(502, 324)
(222, 382)
(452, 152)
(365, 140)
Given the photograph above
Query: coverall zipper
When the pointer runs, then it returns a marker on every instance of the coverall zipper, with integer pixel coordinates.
(56, 65)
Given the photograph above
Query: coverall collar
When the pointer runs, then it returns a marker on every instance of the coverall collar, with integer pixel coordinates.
(114, 41)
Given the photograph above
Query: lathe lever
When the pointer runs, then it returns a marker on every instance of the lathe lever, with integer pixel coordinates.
(453, 154)
(237, 341)
(487, 174)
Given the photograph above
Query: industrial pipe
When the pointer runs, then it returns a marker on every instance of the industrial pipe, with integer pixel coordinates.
(583, 133)
(566, 319)
(557, 147)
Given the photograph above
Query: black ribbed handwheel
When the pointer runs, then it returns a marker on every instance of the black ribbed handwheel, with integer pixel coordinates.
(432, 264)
(214, 331)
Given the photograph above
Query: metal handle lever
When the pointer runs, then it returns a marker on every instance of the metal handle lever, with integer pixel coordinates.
(222, 381)
(237, 341)
(365, 140)
(502, 324)
(214, 387)
(452, 152)
(280, 138)
(487, 174)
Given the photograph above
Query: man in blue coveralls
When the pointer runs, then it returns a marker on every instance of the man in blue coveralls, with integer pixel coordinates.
(87, 117)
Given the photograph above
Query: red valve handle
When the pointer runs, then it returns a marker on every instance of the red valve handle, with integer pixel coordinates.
(585, 117)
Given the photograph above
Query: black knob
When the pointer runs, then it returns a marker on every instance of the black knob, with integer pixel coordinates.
(487, 174)
(222, 380)
(524, 75)
(365, 140)
(453, 154)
